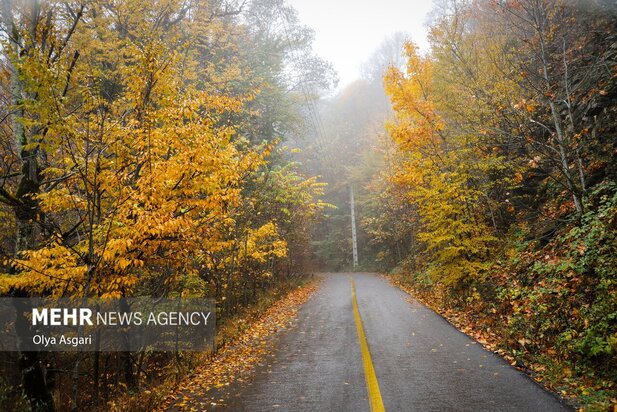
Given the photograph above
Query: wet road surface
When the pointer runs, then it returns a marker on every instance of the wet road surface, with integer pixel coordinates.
(421, 362)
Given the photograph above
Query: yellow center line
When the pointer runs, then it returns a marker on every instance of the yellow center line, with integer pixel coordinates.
(374, 395)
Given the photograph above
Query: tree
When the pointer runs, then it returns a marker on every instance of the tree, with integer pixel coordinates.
(442, 173)
(388, 53)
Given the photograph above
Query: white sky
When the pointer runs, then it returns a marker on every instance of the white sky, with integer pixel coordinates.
(348, 31)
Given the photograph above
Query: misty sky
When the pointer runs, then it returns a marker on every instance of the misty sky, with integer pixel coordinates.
(348, 31)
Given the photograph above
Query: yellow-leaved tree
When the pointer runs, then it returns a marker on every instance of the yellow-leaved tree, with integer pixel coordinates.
(144, 175)
(442, 173)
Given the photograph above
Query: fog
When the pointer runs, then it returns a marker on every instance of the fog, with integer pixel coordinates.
(347, 32)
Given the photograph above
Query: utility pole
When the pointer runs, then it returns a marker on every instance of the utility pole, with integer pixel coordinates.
(354, 240)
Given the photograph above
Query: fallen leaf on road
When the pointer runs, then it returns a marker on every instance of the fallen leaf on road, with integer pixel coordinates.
(238, 358)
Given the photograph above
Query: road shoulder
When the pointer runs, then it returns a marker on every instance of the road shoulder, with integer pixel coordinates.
(237, 360)
(486, 340)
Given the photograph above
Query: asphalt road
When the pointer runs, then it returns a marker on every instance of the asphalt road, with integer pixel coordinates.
(421, 362)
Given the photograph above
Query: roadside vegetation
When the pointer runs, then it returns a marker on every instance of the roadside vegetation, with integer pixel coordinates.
(142, 154)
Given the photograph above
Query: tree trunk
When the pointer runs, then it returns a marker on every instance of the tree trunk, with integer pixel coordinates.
(561, 138)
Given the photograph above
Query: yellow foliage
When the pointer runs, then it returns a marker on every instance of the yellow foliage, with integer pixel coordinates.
(151, 175)
(440, 174)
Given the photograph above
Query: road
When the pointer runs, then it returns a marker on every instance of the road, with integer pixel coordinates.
(421, 362)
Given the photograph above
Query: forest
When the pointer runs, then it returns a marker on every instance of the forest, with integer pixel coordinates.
(199, 148)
